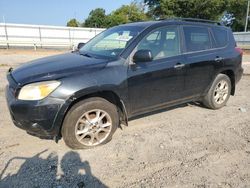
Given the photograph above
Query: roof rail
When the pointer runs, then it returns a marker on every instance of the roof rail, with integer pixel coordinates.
(197, 20)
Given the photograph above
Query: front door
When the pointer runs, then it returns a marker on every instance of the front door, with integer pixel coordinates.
(161, 81)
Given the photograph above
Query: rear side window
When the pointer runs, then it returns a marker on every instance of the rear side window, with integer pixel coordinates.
(220, 36)
(196, 38)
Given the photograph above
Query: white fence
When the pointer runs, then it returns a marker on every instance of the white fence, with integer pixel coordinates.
(44, 36)
(13, 35)
(242, 39)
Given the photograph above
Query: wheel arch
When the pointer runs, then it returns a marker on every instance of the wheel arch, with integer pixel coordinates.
(109, 95)
(231, 75)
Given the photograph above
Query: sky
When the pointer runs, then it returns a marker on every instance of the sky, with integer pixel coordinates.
(52, 12)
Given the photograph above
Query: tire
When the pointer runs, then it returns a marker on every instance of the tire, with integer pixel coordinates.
(83, 122)
(210, 100)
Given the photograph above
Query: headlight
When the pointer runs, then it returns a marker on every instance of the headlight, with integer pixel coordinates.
(38, 90)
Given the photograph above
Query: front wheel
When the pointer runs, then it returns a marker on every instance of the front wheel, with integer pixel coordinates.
(90, 123)
(219, 92)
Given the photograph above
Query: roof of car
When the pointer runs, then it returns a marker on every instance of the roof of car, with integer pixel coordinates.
(175, 20)
(142, 24)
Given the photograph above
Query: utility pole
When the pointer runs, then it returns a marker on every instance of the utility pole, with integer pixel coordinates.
(247, 15)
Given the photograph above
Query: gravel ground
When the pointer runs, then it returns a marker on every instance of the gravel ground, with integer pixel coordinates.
(185, 146)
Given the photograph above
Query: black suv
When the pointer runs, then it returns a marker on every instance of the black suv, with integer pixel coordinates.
(125, 71)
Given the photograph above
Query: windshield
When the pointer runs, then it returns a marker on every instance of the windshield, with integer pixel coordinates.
(111, 42)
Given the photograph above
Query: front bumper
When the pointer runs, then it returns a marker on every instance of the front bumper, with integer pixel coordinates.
(38, 118)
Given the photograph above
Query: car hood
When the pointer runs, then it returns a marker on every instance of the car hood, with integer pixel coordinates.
(56, 67)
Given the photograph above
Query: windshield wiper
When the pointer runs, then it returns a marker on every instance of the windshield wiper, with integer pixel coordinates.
(86, 55)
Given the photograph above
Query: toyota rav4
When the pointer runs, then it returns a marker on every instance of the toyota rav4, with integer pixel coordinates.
(125, 71)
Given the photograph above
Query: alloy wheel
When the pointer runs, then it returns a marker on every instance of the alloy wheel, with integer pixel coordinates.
(221, 92)
(93, 127)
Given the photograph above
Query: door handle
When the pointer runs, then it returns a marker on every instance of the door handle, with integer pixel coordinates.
(179, 66)
(218, 59)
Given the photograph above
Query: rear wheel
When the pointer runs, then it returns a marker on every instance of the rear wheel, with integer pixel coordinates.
(219, 92)
(90, 123)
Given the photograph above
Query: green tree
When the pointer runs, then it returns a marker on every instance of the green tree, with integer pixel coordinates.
(162, 9)
(238, 9)
(125, 14)
(205, 9)
(72, 23)
(96, 18)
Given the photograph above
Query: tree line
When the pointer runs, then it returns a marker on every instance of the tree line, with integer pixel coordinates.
(163, 9)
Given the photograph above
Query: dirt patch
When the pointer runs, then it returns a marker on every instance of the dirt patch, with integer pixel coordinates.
(39, 51)
(185, 146)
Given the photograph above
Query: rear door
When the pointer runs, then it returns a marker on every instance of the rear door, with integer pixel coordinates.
(200, 57)
(225, 49)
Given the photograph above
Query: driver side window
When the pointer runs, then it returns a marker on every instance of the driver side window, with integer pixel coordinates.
(163, 42)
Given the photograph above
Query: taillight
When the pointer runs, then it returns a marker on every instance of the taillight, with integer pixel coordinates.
(239, 50)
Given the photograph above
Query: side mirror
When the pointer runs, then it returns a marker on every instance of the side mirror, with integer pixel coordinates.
(143, 56)
(81, 44)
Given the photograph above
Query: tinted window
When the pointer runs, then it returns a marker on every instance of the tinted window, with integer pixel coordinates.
(162, 42)
(220, 36)
(197, 38)
(154, 36)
